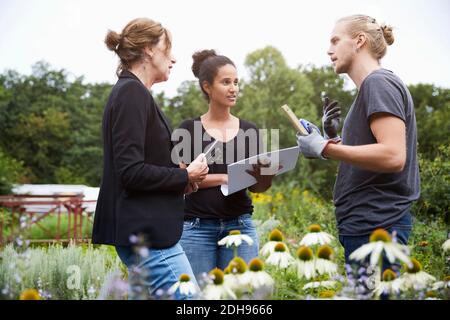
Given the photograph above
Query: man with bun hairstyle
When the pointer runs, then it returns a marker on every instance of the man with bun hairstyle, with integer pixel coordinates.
(378, 176)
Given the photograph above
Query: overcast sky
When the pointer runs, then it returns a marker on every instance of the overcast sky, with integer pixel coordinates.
(69, 34)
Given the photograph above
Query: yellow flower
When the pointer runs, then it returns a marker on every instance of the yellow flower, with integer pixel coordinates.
(279, 197)
(327, 294)
(261, 198)
(30, 294)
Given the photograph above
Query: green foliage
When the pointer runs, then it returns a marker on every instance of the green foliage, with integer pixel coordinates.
(189, 103)
(327, 83)
(432, 106)
(294, 210)
(50, 223)
(427, 238)
(435, 185)
(54, 270)
(10, 172)
(272, 84)
(52, 125)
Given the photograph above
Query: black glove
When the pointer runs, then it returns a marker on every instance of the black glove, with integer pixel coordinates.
(331, 119)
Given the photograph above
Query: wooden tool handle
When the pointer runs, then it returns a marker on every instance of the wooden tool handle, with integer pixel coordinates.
(294, 120)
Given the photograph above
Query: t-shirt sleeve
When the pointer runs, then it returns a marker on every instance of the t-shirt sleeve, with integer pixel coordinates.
(385, 96)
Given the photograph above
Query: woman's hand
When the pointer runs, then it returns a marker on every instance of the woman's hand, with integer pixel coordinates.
(263, 181)
(198, 169)
(191, 187)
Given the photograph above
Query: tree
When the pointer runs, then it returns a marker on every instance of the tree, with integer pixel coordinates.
(11, 172)
(187, 104)
(272, 84)
(53, 125)
(327, 83)
(432, 106)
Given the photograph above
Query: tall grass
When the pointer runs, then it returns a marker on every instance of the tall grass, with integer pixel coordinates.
(47, 228)
(72, 272)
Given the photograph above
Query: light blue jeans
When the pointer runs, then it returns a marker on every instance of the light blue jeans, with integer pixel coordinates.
(159, 270)
(200, 237)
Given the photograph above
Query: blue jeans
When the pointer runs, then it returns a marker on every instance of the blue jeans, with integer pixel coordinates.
(200, 237)
(402, 229)
(159, 270)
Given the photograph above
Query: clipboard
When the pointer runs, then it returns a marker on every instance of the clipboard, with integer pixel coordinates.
(239, 179)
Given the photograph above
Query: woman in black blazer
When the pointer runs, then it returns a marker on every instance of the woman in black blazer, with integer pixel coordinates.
(142, 190)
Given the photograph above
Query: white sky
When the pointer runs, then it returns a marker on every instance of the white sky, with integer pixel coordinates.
(69, 34)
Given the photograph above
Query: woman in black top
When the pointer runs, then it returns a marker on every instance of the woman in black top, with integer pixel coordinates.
(209, 215)
(142, 186)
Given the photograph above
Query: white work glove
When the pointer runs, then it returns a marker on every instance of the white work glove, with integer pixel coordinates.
(312, 145)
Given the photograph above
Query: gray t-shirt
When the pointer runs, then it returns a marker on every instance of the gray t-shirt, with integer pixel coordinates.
(366, 200)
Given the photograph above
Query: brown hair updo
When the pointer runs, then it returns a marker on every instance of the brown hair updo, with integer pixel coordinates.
(205, 66)
(135, 37)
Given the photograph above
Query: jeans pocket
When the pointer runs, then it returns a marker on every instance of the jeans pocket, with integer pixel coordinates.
(190, 224)
(246, 221)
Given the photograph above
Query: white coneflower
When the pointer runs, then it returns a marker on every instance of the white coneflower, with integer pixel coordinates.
(446, 245)
(258, 278)
(275, 236)
(280, 257)
(217, 290)
(331, 295)
(389, 284)
(235, 273)
(329, 284)
(445, 284)
(304, 264)
(185, 285)
(324, 263)
(380, 241)
(415, 278)
(316, 236)
(235, 238)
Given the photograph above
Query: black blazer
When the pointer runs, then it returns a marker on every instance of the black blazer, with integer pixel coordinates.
(142, 189)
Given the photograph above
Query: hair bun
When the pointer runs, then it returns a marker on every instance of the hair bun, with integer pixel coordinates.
(199, 57)
(112, 40)
(387, 34)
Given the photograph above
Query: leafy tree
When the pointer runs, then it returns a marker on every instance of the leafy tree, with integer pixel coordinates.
(52, 125)
(327, 83)
(432, 106)
(187, 104)
(10, 172)
(272, 84)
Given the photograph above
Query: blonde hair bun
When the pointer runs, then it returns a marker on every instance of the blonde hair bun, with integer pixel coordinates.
(387, 34)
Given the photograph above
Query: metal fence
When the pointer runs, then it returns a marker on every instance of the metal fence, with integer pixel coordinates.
(34, 208)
